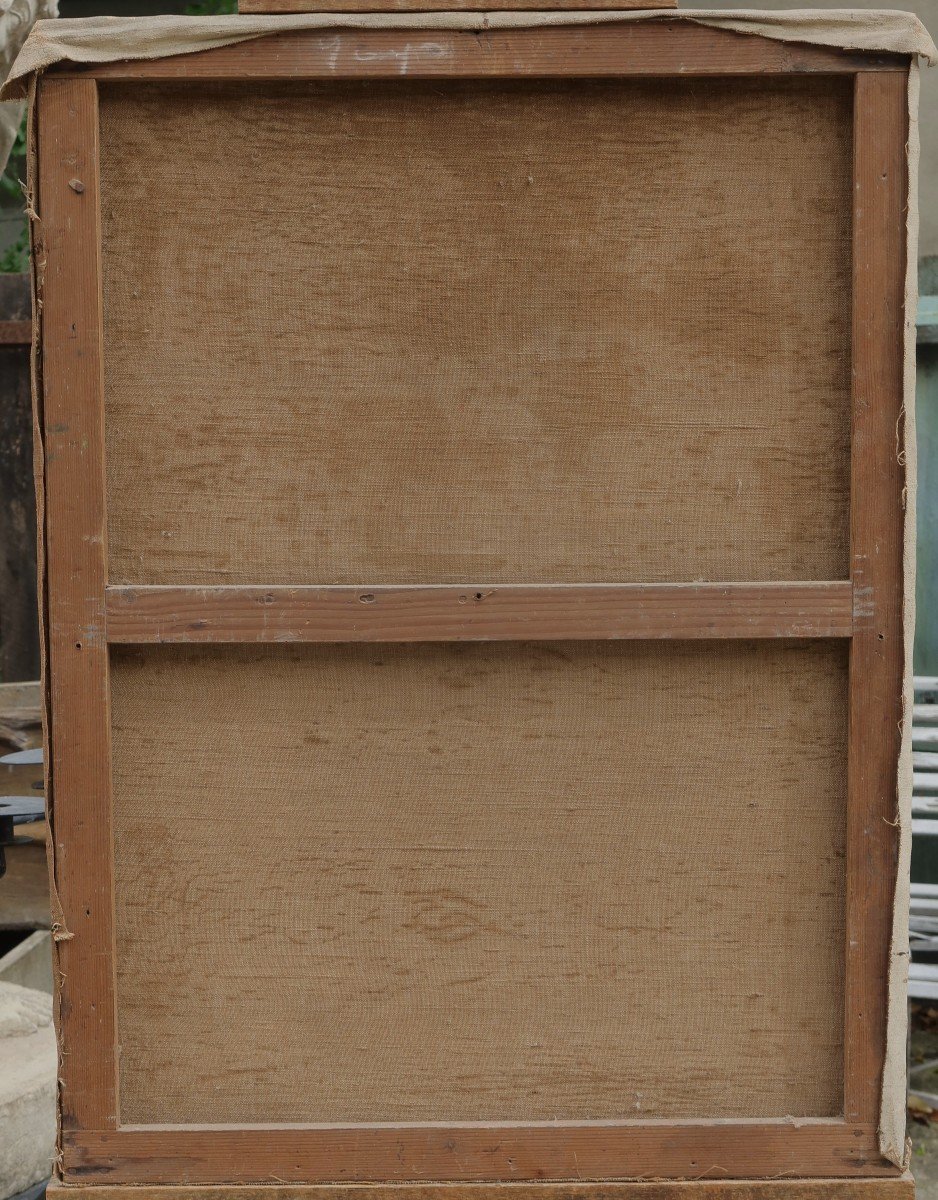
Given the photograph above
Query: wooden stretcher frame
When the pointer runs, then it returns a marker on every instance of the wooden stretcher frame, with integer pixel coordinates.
(84, 615)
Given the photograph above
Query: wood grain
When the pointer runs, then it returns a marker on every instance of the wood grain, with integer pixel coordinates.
(478, 612)
(474, 1152)
(637, 49)
(79, 770)
(901, 1188)
(16, 333)
(876, 659)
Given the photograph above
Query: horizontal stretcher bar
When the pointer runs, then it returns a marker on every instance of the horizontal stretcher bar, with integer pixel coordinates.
(479, 612)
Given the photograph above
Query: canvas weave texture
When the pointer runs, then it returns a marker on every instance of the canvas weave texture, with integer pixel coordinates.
(479, 882)
(505, 332)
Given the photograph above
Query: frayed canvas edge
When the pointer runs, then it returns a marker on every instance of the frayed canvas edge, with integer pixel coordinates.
(893, 1143)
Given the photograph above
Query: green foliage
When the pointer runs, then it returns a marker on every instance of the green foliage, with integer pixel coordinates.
(10, 186)
(15, 259)
(211, 8)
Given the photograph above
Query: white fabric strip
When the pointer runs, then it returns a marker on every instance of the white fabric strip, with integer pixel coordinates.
(892, 1136)
(108, 39)
(17, 18)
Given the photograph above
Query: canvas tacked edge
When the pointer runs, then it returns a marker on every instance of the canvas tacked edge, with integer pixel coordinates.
(893, 1143)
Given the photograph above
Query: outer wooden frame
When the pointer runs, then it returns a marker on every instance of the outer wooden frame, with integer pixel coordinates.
(899, 1188)
(84, 615)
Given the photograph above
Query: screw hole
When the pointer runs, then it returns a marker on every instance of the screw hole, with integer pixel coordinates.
(78, 645)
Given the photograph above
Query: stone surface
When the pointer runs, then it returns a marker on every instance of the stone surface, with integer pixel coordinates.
(27, 1088)
(30, 963)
